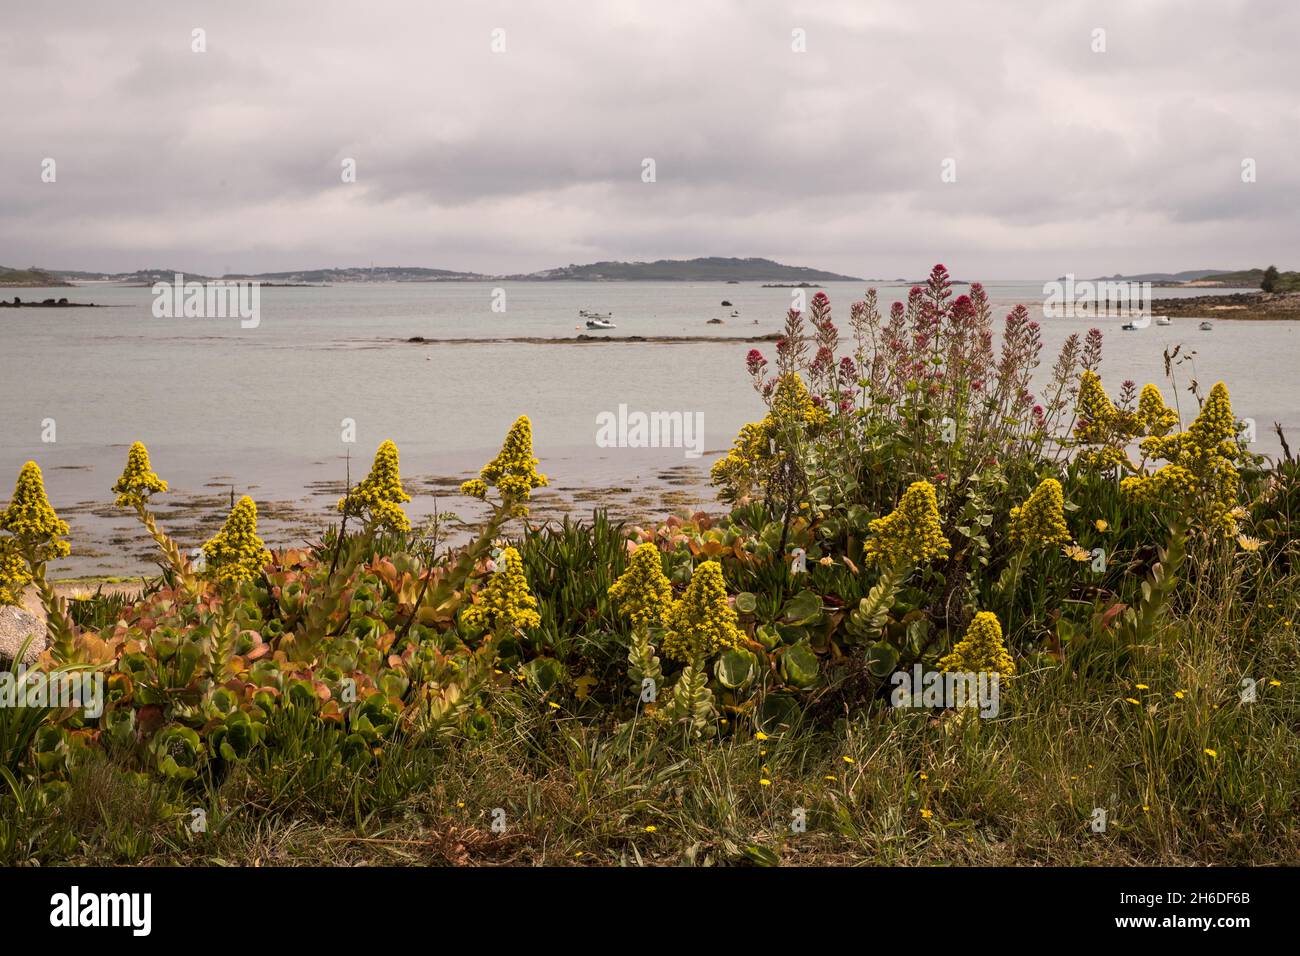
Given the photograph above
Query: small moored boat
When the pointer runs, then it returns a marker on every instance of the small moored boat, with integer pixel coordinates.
(600, 324)
(1164, 320)
(1206, 326)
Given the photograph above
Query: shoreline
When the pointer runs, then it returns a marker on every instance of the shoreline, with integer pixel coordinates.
(1250, 306)
(585, 339)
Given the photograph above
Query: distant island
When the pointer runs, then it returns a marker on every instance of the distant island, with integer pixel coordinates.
(709, 269)
(1217, 279)
(29, 278)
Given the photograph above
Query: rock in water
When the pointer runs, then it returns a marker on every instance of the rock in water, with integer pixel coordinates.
(16, 625)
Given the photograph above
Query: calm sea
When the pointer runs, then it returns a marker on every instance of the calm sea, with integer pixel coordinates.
(261, 410)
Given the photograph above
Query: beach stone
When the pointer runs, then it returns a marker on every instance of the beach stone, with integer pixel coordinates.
(15, 627)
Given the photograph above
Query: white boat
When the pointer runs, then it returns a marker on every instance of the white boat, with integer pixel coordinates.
(1128, 327)
(1207, 326)
(1164, 320)
(600, 324)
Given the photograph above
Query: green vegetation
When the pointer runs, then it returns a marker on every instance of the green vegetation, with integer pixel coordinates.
(1268, 280)
(720, 689)
(32, 277)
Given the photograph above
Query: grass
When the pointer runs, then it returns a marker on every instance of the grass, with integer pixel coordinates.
(880, 787)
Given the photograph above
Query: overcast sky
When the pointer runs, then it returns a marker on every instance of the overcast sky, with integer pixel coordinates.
(1066, 160)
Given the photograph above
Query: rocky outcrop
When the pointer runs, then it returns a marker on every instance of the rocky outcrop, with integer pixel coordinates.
(16, 626)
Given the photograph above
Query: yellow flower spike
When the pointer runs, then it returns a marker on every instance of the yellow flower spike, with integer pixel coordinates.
(235, 553)
(644, 592)
(14, 576)
(702, 622)
(1040, 521)
(912, 532)
(513, 472)
(1153, 415)
(1201, 474)
(506, 602)
(31, 519)
(982, 649)
(377, 500)
(138, 480)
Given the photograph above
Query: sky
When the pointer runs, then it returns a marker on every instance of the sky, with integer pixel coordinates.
(1007, 140)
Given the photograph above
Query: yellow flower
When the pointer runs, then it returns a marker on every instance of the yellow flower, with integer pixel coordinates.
(765, 782)
(651, 828)
(505, 603)
(1211, 753)
(759, 448)
(138, 480)
(847, 759)
(981, 650)
(702, 622)
(925, 776)
(1076, 553)
(644, 592)
(1275, 683)
(1201, 476)
(513, 472)
(1040, 521)
(926, 814)
(1101, 524)
(30, 518)
(1179, 694)
(1153, 415)
(236, 553)
(1132, 700)
(378, 499)
(475, 488)
(1248, 544)
(553, 705)
(1141, 687)
(760, 736)
(14, 576)
(911, 533)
